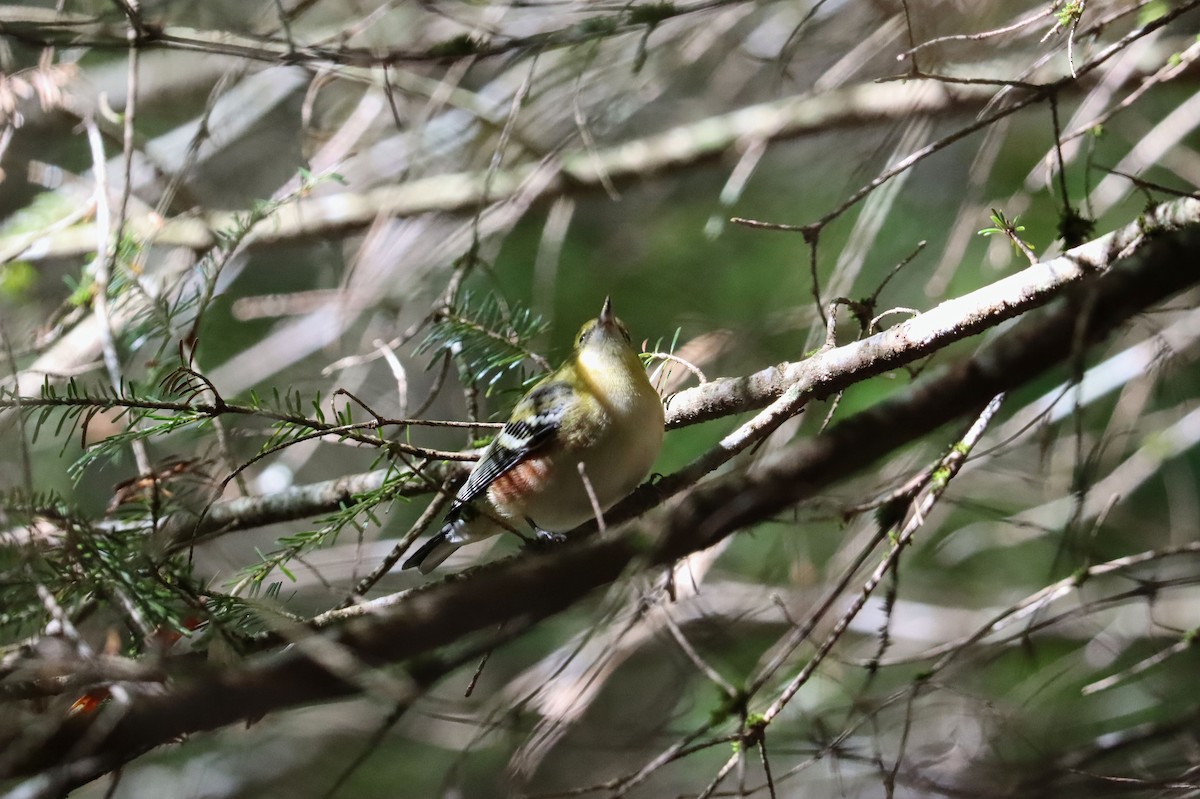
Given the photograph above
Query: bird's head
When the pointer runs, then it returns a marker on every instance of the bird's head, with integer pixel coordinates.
(604, 333)
(606, 361)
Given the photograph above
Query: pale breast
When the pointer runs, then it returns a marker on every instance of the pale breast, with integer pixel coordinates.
(614, 464)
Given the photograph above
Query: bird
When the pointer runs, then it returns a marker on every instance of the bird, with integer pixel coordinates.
(579, 440)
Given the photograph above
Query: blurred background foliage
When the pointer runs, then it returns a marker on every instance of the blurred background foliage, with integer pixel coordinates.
(285, 111)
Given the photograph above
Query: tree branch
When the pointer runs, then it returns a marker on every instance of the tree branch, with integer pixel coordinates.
(672, 150)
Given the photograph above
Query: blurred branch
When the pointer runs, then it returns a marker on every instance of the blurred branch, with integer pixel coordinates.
(901, 535)
(571, 172)
(587, 169)
(39, 677)
(539, 585)
(45, 28)
(674, 149)
(300, 502)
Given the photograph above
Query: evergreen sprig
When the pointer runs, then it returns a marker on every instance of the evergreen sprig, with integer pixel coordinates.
(90, 564)
(256, 579)
(488, 340)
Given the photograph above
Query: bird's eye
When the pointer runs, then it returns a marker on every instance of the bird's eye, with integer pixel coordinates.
(625, 333)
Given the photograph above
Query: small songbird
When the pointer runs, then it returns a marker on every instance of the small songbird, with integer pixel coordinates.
(598, 409)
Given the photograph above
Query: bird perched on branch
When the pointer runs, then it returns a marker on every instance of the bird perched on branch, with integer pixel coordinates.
(579, 440)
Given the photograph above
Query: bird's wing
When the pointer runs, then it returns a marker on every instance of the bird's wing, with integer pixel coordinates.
(537, 419)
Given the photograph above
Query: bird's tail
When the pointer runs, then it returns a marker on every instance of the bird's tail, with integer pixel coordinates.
(432, 552)
(460, 528)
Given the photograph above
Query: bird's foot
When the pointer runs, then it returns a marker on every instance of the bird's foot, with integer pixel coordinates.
(543, 539)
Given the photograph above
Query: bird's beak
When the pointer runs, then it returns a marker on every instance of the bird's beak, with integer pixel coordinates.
(607, 318)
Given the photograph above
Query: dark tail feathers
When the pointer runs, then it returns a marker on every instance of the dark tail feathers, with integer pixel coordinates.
(431, 553)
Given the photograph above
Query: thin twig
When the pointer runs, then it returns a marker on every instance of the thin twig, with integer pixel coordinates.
(597, 511)
(432, 511)
(106, 251)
